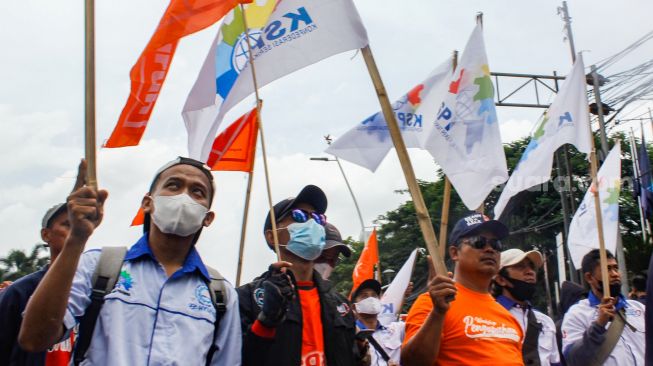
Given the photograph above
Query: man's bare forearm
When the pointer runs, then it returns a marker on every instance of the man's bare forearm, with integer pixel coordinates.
(43, 320)
(423, 348)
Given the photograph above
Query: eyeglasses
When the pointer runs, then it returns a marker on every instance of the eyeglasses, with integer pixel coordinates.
(299, 215)
(479, 242)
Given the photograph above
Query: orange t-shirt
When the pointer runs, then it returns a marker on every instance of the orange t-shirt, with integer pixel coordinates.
(476, 331)
(312, 335)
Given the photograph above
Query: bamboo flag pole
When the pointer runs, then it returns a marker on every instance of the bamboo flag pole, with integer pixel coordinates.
(243, 229)
(446, 196)
(89, 86)
(599, 214)
(423, 217)
(273, 218)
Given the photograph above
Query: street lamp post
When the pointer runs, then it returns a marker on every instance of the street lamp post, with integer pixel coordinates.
(351, 192)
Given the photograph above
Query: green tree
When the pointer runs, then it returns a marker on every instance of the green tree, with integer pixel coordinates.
(533, 216)
(18, 263)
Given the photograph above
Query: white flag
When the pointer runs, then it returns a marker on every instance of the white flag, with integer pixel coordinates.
(565, 122)
(465, 140)
(583, 232)
(394, 294)
(369, 142)
(295, 34)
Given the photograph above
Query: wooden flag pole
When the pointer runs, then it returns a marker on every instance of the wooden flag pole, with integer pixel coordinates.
(423, 217)
(446, 195)
(243, 230)
(273, 218)
(89, 86)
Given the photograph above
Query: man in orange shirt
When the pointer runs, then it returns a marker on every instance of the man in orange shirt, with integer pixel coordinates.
(457, 321)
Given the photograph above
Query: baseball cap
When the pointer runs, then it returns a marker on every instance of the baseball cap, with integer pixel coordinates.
(311, 195)
(334, 239)
(513, 256)
(180, 160)
(51, 213)
(475, 223)
(371, 283)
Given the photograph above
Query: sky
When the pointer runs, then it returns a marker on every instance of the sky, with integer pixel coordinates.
(42, 107)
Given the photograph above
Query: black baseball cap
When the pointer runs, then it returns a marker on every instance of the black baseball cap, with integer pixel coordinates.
(371, 284)
(311, 195)
(334, 239)
(474, 224)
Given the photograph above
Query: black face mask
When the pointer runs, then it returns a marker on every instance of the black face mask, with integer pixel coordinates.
(520, 290)
(615, 288)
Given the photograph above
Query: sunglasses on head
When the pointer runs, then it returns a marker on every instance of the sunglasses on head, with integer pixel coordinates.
(479, 242)
(300, 216)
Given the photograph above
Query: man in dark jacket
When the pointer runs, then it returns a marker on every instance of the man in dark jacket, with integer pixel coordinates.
(290, 315)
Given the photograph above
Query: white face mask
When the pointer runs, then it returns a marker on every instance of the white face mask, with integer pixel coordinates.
(370, 305)
(179, 215)
(324, 269)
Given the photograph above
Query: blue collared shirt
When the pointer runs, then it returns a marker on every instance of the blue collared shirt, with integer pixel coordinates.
(595, 301)
(547, 347)
(152, 319)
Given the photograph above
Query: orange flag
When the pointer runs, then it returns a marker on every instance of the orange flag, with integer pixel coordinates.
(364, 269)
(181, 18)
(234, 149)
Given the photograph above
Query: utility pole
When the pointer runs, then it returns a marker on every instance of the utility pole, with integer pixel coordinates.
(599, 111)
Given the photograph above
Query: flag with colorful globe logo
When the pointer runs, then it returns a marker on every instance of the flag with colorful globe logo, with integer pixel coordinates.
(285, 36)
(368, 143)
(465, 139)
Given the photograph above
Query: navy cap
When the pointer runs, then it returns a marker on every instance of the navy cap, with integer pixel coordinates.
(371, 283)
(474, 224)
(311, 195)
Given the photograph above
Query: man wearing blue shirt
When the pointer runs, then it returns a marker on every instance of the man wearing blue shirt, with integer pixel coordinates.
(160, 310)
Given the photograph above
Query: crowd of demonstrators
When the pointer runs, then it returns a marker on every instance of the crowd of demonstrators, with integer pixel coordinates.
(161, 309)
(515, 286)
(603, 330)
(290, 315)
(385, 340)
(457, 321)
(55, 227)
(163, 305)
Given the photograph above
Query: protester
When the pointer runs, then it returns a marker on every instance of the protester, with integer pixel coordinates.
(638, 291)
(591, 329)
(515, 285)
(54, 230)
(458, 322)
(290, 315)
(333, 247)
(385, 342)
(160, 310)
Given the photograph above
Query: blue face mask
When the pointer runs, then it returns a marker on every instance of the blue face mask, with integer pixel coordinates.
(306, 239)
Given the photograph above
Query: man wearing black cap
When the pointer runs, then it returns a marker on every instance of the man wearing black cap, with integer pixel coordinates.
(333, 247)
(54, 230)
(160, 310)
(457, 321)
(385, 341)
(290, 315)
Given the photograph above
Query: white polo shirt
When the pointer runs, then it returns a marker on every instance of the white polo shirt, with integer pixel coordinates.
(547, 347)
(152, 319)
(630, 348)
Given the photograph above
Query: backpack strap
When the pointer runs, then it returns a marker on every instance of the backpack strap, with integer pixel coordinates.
(104, 279)
(219, 298)
(612, 336)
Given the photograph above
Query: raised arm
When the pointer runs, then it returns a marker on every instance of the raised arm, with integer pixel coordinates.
(422, 349)
(43, 320)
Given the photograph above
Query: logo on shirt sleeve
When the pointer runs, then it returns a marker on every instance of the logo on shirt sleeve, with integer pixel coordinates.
(343, 309)
(124, 283)
(259, 293)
